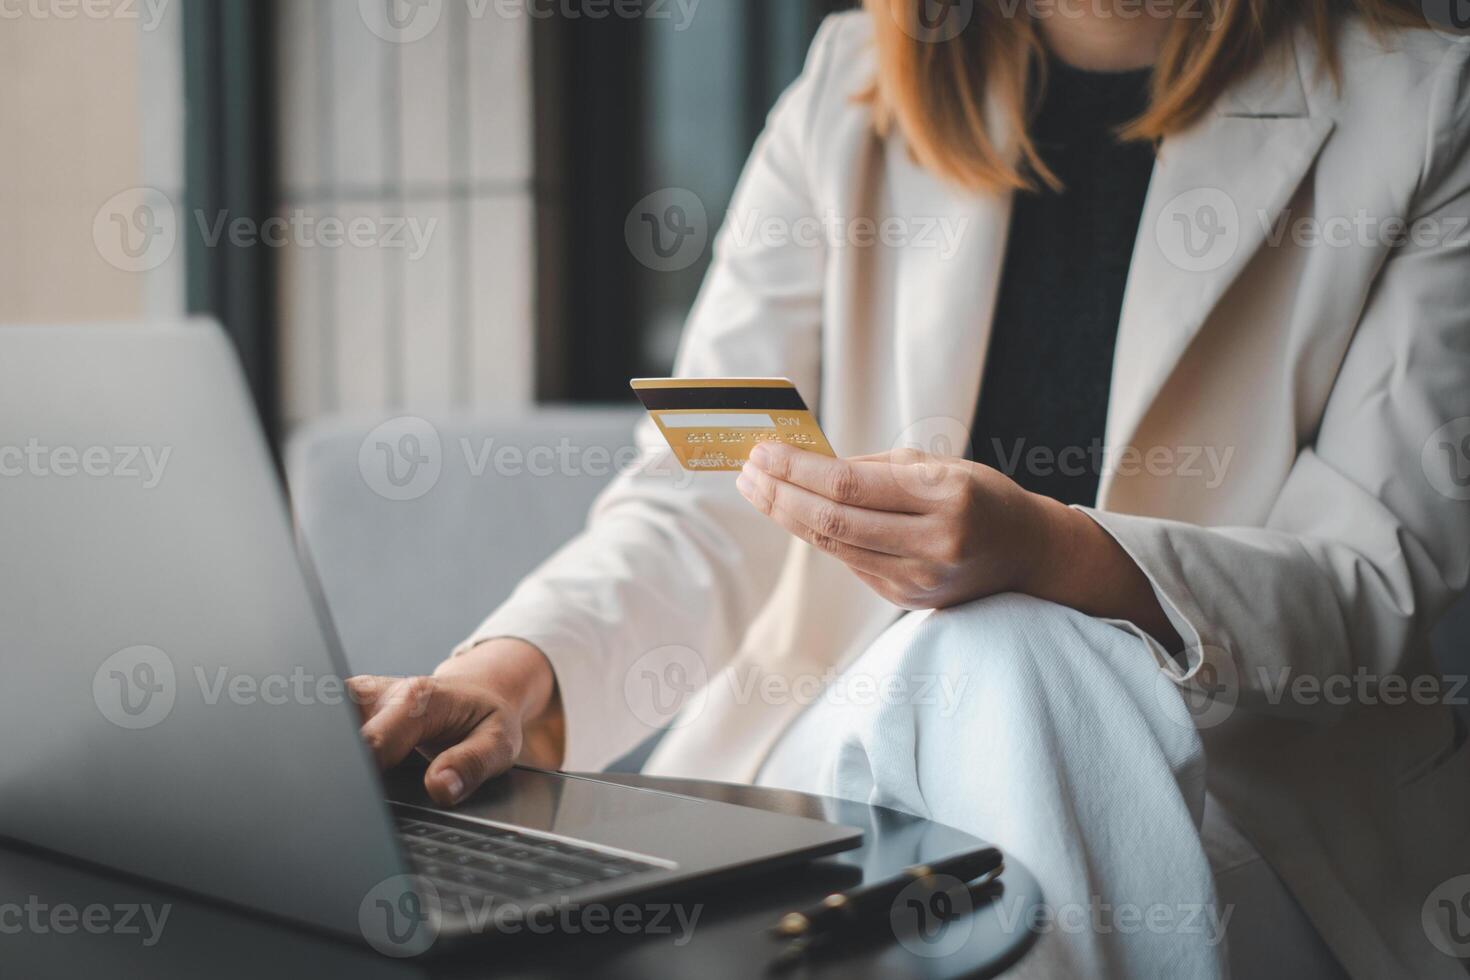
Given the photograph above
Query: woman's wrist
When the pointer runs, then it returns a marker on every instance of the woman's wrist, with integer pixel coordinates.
(1073, 561)
(1047, 549)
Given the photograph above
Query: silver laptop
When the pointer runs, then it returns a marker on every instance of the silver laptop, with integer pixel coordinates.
(173, 704)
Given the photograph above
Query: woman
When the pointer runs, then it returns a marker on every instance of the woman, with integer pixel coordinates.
(1213, 471)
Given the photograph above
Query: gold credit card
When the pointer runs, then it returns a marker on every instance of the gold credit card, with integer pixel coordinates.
(712, 424)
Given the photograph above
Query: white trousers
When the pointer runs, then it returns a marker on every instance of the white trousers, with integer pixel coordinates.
(1054, 736)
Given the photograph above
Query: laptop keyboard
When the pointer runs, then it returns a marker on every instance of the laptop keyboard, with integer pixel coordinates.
(503, 864)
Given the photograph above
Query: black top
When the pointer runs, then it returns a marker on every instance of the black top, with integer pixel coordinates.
(1044, 402)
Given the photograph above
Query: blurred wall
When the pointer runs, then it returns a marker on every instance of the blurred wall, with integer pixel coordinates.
(91, 115)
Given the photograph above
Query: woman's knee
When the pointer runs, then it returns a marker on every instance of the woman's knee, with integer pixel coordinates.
(1002, 634)
(1005, 649)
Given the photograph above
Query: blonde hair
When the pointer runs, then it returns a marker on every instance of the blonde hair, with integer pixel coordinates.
(937, 89)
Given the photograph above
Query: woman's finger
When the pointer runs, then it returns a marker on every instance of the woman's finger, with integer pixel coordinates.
(487, 751)
(858, 483)
(929, 481)
(408, 714)
(367, 693)
(882, 531)
(765, 496)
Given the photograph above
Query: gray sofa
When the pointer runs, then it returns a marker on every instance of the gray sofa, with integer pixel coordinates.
(409, 571)
(406, 579)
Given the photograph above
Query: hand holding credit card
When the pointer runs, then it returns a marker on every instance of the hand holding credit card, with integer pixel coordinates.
(712, 424)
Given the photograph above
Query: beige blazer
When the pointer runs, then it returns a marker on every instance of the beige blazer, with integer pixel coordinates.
(1318, 347)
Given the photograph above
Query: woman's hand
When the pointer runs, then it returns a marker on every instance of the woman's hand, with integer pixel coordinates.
(476, 717)
(923, 531)
(926, 532)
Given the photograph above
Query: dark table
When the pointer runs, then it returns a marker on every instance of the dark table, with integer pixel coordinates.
(728, 939)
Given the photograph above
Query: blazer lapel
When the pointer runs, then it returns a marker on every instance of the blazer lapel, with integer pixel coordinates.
(1216, 192)
(946, 301)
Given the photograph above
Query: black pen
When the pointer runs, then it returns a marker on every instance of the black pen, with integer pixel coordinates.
(864, 904)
